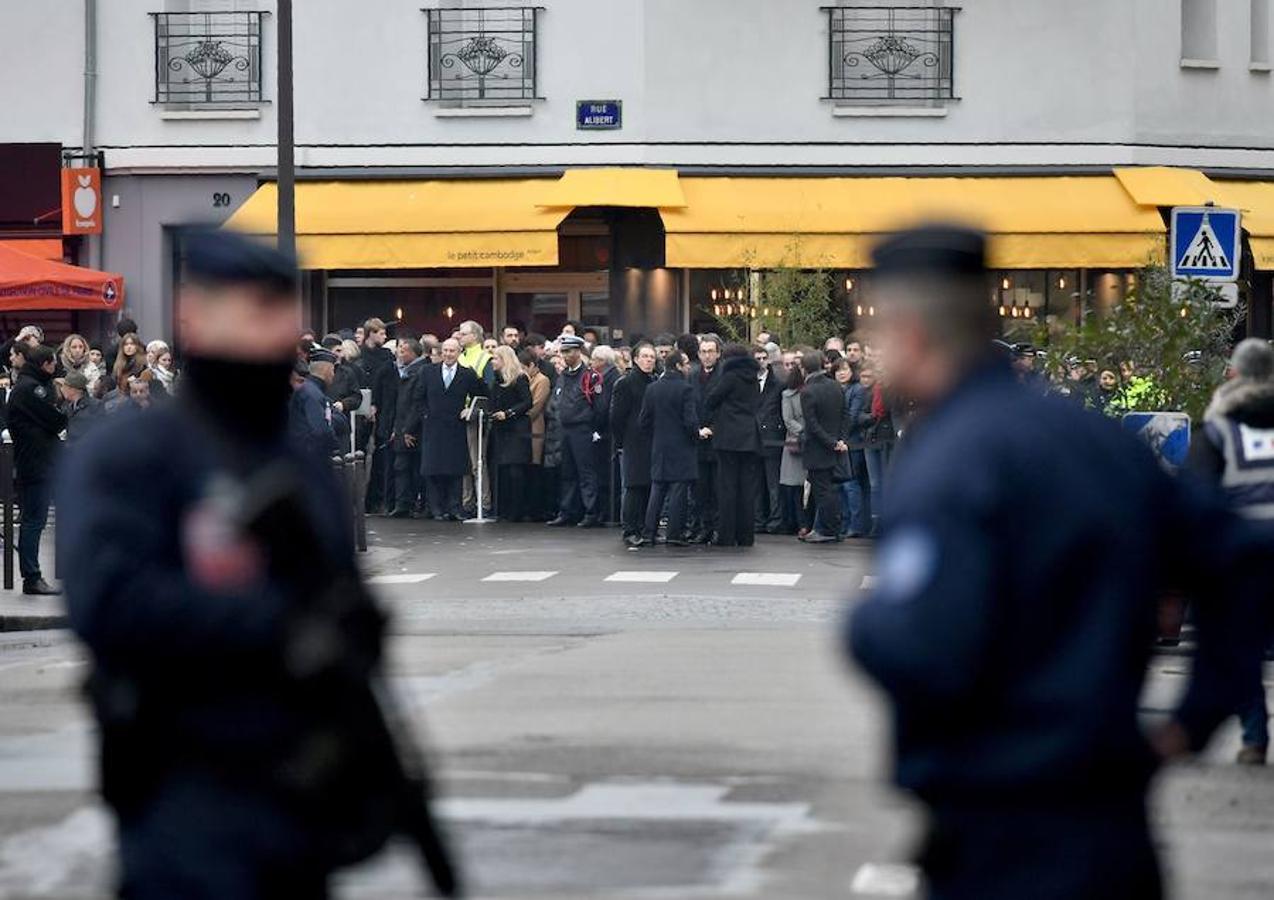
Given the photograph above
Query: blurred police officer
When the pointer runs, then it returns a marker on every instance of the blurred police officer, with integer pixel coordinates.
(1026, 545)
(224, 652)
(34, 424)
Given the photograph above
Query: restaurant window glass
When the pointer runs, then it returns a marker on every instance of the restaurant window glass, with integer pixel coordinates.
(537, 312)
(417, 309)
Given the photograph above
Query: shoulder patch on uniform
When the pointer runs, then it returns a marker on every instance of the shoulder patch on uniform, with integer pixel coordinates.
(907, 562)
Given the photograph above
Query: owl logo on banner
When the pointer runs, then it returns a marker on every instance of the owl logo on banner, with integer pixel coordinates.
(82, 201)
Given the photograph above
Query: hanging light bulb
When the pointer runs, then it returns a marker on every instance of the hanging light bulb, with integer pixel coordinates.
(450, 312)
(1026, 311)
(767, 311)
(779, 314)
(849, 284)
(1005, 284)
(858, 309)
(398, 314)
(871, 310)
(1185, 311)
(1003, 311)
(713, 293)
(1061, 282)
(752, 312)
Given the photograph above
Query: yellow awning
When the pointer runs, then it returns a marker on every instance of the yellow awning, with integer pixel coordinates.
(412, 224)
(658, 188)
(1166, 186)
(1255, 200)
(1033, 223)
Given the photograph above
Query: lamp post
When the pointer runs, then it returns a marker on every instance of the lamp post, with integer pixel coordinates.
(287, 150)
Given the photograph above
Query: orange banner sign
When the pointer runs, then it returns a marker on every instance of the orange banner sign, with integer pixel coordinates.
(82, 201)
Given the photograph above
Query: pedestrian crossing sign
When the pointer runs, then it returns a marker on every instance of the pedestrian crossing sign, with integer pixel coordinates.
(1206, 243)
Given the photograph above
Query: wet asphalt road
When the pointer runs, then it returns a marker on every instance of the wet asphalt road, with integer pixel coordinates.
(667, 723)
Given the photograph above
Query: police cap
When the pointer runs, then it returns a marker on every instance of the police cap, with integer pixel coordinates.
(227, 257)
(319, 354)
(932, 250)
(570, 342)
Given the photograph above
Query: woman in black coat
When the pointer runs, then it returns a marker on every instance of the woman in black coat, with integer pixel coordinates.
(732, 403)
(632, 440)
(510, 433)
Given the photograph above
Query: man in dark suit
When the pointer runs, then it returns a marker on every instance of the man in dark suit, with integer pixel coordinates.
(669, 414)
(769, 423)
(405, 436)
(826, 430)
(632, 440)
(732, 407)
(702, 375)
(379, 374)
(444, 391)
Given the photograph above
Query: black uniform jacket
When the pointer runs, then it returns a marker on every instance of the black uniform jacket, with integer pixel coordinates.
(1014, 612)
(769, 414)
(34, 424)
(732, 402)
(668, 412)
(407, 407)
(625, 426)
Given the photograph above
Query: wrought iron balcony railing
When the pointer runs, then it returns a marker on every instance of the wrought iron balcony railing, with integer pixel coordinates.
(482, 56)
(204, 58)
(890, 55)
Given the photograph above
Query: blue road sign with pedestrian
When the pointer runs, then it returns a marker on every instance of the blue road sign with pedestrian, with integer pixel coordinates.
(1167, 434)
(1206, 243)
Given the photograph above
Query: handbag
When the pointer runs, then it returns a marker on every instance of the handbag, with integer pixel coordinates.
(842, 471)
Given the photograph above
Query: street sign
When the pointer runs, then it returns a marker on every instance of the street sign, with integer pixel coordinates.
(1227, 292)
(1206, 243)
(599, 115)
(1166, 433)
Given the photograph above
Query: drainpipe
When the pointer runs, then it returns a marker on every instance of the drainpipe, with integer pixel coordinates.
(90, 108)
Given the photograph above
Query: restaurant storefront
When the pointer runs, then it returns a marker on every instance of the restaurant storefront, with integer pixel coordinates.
(640, 251)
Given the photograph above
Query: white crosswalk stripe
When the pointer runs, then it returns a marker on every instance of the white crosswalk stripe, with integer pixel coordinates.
(642, 577)
(403, 578)
(519, 576)
(767, 579)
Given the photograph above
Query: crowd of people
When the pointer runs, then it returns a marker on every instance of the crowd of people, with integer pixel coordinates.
(680, 440)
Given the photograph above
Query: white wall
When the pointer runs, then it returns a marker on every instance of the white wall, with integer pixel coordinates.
(704, 82)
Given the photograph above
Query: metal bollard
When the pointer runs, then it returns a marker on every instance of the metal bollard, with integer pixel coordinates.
(359, 499)
(6, 496)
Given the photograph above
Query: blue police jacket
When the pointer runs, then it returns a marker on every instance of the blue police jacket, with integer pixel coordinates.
(1026, 545)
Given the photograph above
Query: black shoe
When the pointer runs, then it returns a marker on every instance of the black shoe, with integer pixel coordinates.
(819, 538)
(589, 522)
(560, 522)
(400, 514)
(633, 540)
(40, 588)
(636, 542)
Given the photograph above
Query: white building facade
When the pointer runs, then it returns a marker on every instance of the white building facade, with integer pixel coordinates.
(857, 114)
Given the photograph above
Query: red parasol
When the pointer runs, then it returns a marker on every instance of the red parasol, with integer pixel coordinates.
(28, 282)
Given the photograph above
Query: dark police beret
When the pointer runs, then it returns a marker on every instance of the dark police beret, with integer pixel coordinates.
(932, 250)
(319, 354)
(227, 257)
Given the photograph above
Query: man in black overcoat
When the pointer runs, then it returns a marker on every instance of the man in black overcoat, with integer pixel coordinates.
(670, 415)
(826, 433)
(632, 442)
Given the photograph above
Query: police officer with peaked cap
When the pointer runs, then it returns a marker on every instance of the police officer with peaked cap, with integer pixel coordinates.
(310, 416)
(1026, 543)
(222, 653)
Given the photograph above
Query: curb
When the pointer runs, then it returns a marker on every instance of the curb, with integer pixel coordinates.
(32, 622)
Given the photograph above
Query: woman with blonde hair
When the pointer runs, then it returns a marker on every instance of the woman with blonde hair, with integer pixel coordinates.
(510, 433)
(73, 356)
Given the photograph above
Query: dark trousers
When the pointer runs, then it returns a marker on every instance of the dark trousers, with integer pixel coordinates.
(675, 492)
(636, 499)
(826, 501)
(511, 490)
(444, 494)
(705, 488)
(33, 499)
(769, 508)
(792, 502)
(406, 478)
(579, 474)
(736, 498)
(1044, 854)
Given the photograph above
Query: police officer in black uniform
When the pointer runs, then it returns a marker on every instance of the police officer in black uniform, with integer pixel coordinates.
(211, 575)
(574, 405)
(1026, 544)
(34, 424)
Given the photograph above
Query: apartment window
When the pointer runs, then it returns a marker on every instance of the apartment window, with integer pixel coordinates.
(1260, 34)
(482, 57)
(208, 58)
(1198, 32)
(891, 55)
